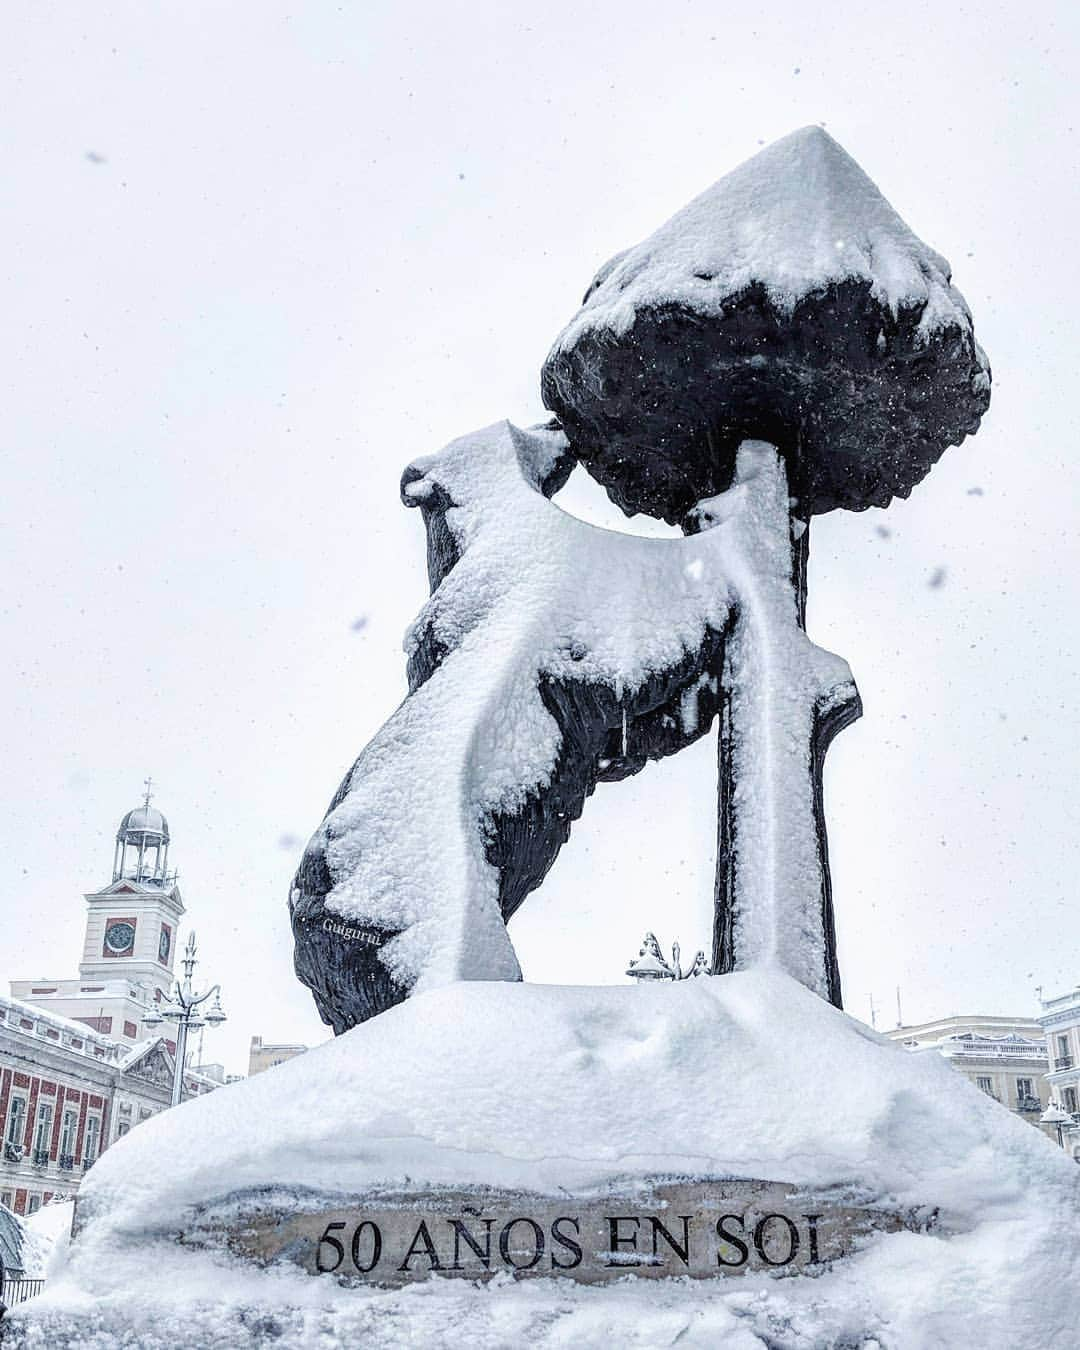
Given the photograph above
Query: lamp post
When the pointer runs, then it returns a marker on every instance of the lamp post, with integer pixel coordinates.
(651, 964)
(183, 1010)
(1054, 1115)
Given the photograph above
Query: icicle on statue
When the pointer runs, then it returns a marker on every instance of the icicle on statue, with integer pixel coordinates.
(781, 347)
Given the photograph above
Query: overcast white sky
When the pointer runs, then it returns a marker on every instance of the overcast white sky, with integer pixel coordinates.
(252, 261)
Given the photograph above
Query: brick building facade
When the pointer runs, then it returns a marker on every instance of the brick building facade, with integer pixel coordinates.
(78, 1068)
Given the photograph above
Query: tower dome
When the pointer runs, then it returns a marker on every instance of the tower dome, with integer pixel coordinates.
(143, 823)
(142, 845)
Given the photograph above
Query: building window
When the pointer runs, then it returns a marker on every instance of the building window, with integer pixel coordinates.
(42, 1133)
(984, 1085)
(1025, 1088)
(67, 1139)
(144, 1113)
(130, 1030)
(1070, 1099)
(93, 1137)
(7, 1199)
(34, 1204)
(123, 1128)
(16, 1124)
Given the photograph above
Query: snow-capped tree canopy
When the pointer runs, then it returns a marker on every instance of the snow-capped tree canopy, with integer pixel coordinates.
(788, 302)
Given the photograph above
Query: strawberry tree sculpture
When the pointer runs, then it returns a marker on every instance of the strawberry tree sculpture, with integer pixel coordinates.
(782, 347)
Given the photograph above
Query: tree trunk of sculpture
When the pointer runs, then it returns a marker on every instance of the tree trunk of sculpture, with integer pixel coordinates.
(784, 700)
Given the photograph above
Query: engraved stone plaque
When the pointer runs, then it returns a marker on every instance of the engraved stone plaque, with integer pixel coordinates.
(699, 1228)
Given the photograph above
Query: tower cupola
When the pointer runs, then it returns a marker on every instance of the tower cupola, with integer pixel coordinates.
(142, 844)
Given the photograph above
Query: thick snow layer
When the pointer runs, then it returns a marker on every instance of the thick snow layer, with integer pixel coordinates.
(537, 592)
(796, 217)
(540, 1087)
(51, 1223)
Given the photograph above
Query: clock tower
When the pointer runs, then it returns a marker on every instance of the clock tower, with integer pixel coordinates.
(129, 946)
(131, 923)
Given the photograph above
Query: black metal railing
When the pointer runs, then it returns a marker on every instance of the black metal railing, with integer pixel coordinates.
(1063, 1062)
(67, 1161)
(41, 1157)
(1029, 1104)
(17, 1289)
(13, 1152)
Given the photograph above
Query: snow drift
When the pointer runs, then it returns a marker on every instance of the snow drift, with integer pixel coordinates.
(552, 1089)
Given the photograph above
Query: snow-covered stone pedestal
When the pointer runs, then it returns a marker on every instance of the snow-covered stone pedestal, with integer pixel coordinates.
(571, 1102)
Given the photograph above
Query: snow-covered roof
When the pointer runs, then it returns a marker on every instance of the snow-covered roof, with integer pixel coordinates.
(68, 1024)
(139, 1051)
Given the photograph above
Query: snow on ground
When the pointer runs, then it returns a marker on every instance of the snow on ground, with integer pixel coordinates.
(796, 217)
(43, 1230)
(537, 1087)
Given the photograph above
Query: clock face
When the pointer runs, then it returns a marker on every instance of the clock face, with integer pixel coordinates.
(164, 945)
(120, 936)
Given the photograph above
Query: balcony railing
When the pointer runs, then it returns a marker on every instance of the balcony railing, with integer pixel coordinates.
(1063, 1062)
(67, 1161)
(13, 1153)
(17, 1289)
(980, 1050)
(1029, 1104)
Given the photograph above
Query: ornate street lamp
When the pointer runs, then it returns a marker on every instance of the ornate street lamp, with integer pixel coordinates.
(182, 1009)
(651, 964)
(1054, 1115)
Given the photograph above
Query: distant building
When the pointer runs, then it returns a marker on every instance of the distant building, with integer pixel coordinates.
(215, 1073)
(77, 1067)
(1060, 1022)
(1005, 1057)
(266, 1056)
